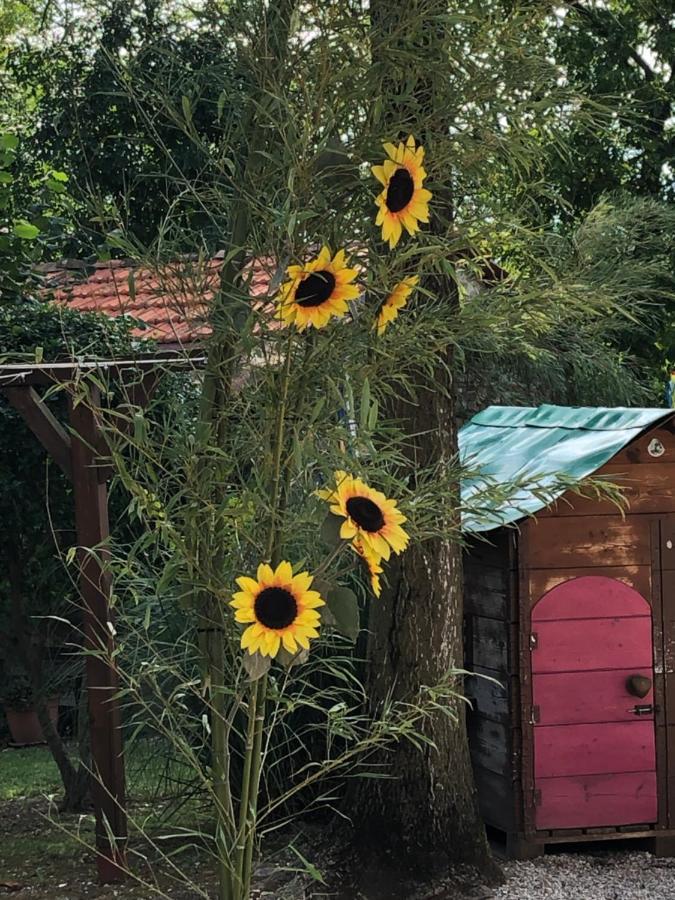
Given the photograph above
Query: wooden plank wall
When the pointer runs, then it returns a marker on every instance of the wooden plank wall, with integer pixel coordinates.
(490, 575)
(579, 537)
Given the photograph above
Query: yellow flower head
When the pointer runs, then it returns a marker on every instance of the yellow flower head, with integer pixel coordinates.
(317, 291)
(280, 608)
(404, 202)
(371, 519)
(373, 563)
(396, 300)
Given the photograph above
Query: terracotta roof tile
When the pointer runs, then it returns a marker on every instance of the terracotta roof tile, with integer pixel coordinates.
(172, 303)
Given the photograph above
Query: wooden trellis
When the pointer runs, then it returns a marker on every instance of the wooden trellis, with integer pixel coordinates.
(79, 449)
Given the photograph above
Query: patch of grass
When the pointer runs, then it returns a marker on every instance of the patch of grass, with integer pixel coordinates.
(29, 772)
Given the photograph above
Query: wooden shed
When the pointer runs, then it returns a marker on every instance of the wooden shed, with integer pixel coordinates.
(570, 607)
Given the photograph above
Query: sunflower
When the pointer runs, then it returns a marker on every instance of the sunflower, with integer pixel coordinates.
(403, 203)
(396, 300)
(280, 607)
(371, 519)
(316, 291)
(372, 561)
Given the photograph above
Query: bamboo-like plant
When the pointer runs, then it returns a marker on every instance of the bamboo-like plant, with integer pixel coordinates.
(273, 508)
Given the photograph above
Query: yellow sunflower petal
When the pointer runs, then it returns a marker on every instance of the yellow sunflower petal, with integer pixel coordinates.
(265, 574)
(247, 584)
(348, 530)
(378, 172)
(283, 573)
(302, 581)
(289, 642)
(248, 638)
(312, 600)
(244, 615)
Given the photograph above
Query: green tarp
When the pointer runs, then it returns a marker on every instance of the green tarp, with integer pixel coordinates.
(513, 444)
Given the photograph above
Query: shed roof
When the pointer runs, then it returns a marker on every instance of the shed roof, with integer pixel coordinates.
(541, 445)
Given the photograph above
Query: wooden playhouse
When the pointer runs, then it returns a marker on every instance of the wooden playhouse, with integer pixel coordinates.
(572, 612)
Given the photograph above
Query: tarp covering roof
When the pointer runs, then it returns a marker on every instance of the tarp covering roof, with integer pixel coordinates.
(546, 446)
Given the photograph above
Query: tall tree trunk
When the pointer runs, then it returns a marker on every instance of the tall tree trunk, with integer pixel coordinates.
(427, 811)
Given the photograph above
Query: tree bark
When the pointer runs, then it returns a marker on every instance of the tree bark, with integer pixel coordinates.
(426, 812)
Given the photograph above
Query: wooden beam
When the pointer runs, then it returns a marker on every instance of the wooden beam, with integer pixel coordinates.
(43, 424)
(93, 532)
(54, 373)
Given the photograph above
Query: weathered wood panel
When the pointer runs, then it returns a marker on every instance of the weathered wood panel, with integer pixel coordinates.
(575, 698)
(648, 489)
(590, 597)
(590, 801)
(595, 749)
(489, 692)
(486, 590)
(541, 581)
(495, 798)
(579, 645)
(494, 549)
(490, 744)
(637, 451)
(575, 541)
(490, 644)
(667, 550)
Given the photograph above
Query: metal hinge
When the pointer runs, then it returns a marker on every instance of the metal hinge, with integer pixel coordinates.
(536, 797)
(534, 641)
(534, 715)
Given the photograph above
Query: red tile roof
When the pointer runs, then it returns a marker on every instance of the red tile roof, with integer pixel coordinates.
(171, 305)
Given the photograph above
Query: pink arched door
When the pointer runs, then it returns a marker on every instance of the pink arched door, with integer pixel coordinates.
(593, 718)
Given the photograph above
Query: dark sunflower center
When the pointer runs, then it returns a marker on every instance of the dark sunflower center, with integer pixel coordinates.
(315, 289)
(365, 513)
(400, 190)
(275, 607)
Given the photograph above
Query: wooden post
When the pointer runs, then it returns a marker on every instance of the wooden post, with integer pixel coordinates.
(93, 532)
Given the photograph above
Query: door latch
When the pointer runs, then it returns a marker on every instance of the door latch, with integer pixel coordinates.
(645, 709)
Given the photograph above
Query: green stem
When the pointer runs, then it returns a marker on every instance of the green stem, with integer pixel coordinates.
(220, 762)
(256, 710)
(245, 791)
(273, 540)
(254, 787)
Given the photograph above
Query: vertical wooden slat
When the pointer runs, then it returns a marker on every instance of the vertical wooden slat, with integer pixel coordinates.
(91, 518)
(525, 629)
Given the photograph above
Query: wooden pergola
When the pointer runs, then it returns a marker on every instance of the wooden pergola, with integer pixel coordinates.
(79, 449)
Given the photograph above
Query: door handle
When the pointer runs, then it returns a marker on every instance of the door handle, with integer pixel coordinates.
(638, 685)
(644, 709)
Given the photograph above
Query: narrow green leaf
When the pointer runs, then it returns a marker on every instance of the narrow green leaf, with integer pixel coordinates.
(187, 108)
(365, 404)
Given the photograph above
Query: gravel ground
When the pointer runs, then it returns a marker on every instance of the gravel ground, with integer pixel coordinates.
(602, 875)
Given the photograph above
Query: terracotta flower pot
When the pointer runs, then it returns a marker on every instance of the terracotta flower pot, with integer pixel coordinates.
(24, 725)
